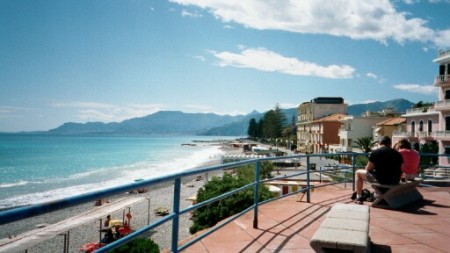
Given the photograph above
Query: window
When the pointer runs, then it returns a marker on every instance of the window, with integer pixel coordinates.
(447, 150)
(421, 126)
(447, 94)
(413, 126)
(447, 123)
(430, 126)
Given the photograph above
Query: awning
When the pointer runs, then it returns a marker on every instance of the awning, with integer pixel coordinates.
(379, 130)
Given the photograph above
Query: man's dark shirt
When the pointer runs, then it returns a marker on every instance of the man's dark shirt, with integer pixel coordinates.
(388, 164)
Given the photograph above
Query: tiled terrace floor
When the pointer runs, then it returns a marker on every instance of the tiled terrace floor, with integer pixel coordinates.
(287, 225)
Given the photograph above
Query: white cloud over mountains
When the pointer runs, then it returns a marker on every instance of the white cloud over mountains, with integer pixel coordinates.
(265, 60)
(415, 88)
(355, 19)
(92, 111)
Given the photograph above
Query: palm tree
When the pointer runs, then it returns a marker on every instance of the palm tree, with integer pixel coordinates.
(365, 144)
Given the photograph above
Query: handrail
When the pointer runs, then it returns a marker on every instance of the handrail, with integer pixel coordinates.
(33, 210)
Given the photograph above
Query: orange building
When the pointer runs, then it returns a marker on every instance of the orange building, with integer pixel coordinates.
(325, 132)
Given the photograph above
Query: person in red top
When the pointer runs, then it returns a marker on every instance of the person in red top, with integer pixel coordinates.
(411, 159)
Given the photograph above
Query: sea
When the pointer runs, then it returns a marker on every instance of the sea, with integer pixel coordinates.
(36, 168)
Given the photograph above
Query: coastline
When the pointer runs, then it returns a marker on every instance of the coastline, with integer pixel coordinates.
(160, 195)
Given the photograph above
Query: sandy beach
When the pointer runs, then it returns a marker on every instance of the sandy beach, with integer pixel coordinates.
(143, 211)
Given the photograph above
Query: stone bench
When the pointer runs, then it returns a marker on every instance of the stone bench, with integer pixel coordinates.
(396, 196)
(345, 228)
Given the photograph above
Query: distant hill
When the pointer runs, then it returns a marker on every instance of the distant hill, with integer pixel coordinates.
(175, 122)
(400, 106)
(239, 128)
(163, 122)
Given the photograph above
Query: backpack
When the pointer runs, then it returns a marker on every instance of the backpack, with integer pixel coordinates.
(366, 196)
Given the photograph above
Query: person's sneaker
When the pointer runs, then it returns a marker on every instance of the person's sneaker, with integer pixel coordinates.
(359, 200)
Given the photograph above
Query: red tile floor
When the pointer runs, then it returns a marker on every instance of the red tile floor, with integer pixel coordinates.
(287, 225)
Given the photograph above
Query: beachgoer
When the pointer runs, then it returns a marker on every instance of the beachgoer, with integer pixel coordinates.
(411, 160)
(384, 166)
(108, 219)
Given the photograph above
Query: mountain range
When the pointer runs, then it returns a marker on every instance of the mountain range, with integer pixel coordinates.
(175, 122)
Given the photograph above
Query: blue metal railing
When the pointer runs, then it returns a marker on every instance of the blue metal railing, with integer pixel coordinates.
(20, 213)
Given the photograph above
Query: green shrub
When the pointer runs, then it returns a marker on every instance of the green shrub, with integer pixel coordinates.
(209, 215)
(138, 245)
(361, 160)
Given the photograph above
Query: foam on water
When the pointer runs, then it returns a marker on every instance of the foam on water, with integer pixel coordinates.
(25, 192)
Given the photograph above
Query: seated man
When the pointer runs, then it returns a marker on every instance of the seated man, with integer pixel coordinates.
(384, 167)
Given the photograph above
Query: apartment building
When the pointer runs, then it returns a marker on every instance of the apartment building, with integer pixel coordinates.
(324, 132)
(353, 128)
(432, 123)
(313, 110)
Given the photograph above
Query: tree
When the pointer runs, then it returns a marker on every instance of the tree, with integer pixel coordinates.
(421, 104)
(273, 124)
(280, 120)
(430, 147)
(365, 144)
(252, 128)
(207, 216)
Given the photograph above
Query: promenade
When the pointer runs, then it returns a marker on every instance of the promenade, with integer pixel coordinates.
(287, 225)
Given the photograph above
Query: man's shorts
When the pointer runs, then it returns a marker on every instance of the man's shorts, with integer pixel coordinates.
(371, 177)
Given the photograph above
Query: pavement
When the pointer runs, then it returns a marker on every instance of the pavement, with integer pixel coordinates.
(287, 225)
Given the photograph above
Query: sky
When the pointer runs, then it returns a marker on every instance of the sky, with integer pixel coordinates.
(111, 60)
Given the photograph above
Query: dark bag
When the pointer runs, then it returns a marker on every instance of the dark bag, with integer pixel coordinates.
(366, 196)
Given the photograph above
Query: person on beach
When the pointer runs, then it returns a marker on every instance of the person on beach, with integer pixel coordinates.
(411, 160)
(384, 166)
(108, 219)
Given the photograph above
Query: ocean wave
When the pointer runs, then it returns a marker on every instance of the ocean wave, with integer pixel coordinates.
(102, 178)
(18, 183)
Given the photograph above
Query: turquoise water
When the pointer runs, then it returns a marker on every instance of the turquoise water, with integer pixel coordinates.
(37, 168)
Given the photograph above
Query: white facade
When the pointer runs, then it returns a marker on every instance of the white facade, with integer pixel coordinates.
(353, 128)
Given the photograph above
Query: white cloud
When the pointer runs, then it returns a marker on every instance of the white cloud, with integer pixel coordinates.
(439, 1)
(194, 108)
(416, 88)
(375, 77)
(185, 13)
(11, 111)
(91, 111)
(265, 60)
(410, 1)
(200, 58)
(288, 105)
(356, 19)
(372, 75)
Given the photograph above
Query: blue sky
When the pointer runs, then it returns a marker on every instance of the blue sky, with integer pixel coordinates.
(110, 60)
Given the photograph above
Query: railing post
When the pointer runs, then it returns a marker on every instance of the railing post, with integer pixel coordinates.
(256, 194)
(308, 170)
(176, 211)
(354, 171)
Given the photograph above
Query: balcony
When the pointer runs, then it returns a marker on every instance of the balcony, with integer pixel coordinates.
(289, 224)
(421, 111)
(441, 135)
(419, 135)
(442, 105)
(442, 80)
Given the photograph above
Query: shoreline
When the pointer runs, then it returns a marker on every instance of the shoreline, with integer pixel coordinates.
(160, 195)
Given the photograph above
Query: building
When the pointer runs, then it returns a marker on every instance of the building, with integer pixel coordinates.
(353, 128)
(313, 110)
(325, 132)
(388, 127)
(432, 123)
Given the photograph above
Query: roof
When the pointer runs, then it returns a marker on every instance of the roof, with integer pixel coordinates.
(392, 121)
(332, 118)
